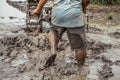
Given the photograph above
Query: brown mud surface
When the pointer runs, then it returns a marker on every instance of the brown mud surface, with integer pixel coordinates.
(23, 56)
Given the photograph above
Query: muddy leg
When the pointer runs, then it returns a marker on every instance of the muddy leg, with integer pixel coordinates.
(52, 36)
(80, 56)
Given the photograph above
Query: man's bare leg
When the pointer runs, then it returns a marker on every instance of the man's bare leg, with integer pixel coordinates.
(52, 36)
(80, 56)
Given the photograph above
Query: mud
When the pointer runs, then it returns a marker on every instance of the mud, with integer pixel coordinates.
(115, 34)
(20, 5)
(23, 56)
(29, 53)
(26, 55)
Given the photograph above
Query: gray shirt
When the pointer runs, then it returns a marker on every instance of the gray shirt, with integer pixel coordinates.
(67, 13)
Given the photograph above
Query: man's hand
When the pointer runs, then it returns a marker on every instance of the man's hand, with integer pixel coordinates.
(39, 7)
(35, 12)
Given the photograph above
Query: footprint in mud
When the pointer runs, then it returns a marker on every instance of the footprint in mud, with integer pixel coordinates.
(106, 72)
(115, 35)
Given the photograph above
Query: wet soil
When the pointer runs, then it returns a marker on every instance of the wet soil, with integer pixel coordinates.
(20, 5)
(23, 56)
(106, 15)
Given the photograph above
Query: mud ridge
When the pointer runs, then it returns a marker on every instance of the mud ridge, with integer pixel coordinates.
(20, 5)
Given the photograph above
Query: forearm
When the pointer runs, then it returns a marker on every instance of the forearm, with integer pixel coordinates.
(41, 4)
(85, 3)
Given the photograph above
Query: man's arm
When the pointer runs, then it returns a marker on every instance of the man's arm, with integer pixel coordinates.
(39, 6)
(85, 3)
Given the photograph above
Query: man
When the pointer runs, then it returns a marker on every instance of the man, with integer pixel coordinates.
(67, 15)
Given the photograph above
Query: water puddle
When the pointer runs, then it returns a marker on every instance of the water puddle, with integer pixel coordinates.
(9, 14)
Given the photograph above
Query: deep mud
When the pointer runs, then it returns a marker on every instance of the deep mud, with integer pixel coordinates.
(29, 53)
(23, 56)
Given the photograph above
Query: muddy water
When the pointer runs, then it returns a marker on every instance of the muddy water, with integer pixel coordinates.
(11, 19)
(8, 14)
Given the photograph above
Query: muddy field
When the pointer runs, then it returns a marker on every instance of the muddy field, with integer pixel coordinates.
(23, 55)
